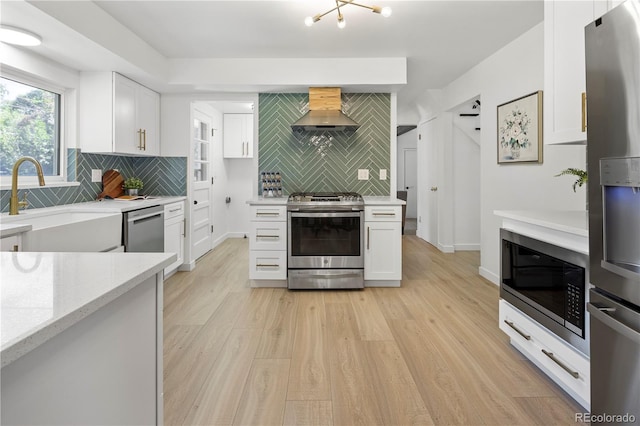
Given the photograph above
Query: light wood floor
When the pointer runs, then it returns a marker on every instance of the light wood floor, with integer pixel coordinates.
(429, 352)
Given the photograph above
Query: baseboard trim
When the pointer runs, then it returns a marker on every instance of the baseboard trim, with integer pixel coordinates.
(382, 283)
(487, 274)
(446, 249)
(467, 247)
(268, 283)
(187, 267)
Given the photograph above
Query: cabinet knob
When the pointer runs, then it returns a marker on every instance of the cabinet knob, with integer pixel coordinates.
(434, 188)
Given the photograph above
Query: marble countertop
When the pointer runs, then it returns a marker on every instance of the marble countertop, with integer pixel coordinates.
(368, 200)
(43, 294)
(573, 222)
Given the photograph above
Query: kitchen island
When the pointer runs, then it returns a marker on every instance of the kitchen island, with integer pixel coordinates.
(82, 337)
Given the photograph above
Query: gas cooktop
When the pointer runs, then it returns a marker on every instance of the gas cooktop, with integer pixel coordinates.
(325, 199)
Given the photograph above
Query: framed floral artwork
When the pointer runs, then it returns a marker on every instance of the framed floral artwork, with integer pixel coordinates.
(520, 130)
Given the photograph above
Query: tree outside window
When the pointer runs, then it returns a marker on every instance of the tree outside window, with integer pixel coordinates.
(29, 126)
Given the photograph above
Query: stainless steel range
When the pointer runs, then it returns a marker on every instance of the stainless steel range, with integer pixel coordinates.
(325, 240)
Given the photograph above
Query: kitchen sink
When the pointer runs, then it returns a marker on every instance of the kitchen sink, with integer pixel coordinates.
(60, 230)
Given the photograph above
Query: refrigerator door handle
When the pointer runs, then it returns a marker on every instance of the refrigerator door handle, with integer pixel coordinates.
(598, 312)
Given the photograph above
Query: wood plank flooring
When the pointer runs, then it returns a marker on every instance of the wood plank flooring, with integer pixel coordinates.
(428, 353)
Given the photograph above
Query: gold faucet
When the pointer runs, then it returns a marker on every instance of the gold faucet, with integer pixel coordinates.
(14, 204)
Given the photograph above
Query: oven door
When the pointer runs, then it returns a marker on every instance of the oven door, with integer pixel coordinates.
(325, 240)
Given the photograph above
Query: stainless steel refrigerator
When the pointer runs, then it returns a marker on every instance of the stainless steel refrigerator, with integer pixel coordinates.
(613, 145)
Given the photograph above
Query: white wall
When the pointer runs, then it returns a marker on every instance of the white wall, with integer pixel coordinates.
(512, 72)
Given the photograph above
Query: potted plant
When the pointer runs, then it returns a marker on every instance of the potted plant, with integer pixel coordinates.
(132, 185)
(581, 174)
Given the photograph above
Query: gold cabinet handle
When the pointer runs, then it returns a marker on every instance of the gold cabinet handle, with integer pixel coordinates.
(574, 374)
(268, 265)
(267, 214)
(367, 238)
(584, 111)
(268, 236)
(140, 139)
(144, 139)
(434, 189)
(510, 324)
(15, 247)
(383, 214)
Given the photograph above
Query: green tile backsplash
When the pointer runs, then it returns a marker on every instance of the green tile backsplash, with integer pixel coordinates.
(161, 176)
(329, 160)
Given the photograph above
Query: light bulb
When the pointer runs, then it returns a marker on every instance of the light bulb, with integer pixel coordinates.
(386, 11)
(341, 22)
(308, 21)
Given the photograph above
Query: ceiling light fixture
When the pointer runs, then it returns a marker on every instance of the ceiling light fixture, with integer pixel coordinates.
(310, 20)
(18, 36)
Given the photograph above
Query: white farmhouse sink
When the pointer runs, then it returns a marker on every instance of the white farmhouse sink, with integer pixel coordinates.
(60, 230)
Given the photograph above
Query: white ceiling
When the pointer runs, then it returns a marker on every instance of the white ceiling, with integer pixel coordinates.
(440, 39)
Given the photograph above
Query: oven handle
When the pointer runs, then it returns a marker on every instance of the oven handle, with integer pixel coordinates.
(325, 214)
(345, 275)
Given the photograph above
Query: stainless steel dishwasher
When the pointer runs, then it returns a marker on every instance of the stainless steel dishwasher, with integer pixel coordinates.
(144, 230)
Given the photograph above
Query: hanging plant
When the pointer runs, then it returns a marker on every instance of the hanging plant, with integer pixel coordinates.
(581, 174)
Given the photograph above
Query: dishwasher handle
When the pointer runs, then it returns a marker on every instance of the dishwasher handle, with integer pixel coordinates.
(144, 218)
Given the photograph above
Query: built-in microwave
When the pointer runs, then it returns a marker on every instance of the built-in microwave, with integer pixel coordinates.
(548, 283)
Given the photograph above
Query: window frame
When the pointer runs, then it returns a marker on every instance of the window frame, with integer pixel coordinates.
(55, 180)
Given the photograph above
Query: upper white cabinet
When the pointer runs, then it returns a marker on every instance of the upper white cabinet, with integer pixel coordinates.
(564, 68)
(238, 135)
(118, 115)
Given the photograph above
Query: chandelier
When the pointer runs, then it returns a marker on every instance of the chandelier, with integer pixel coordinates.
(310, 20)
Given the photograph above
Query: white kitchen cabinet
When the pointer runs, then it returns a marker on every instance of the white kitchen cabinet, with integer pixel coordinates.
(11, 243)
(118, 115)
(238, 135)
(564, 95)
(566, 366)
(383, 243)
(174, 228)
(268, 245)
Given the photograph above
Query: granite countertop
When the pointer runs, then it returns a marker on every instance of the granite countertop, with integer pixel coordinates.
(573, 222)
(43, 294)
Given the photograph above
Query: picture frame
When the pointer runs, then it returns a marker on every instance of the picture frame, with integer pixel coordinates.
(520, 130)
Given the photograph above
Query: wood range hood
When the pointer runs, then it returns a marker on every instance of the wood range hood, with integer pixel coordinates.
(325, 112)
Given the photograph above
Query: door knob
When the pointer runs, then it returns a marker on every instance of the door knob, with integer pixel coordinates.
(434, 188)
(195, 201)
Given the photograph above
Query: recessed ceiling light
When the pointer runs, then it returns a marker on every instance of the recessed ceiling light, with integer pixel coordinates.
(18, 36)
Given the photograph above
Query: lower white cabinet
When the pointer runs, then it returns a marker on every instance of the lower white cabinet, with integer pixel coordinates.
(174, 227)
(565, 365)
(383, 243)
(268, 242)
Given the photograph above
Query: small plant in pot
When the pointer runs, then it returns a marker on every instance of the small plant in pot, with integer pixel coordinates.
(132, 185)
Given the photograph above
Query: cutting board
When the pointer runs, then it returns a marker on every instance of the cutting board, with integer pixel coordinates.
(111, 184)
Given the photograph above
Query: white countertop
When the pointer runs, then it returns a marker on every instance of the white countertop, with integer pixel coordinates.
(104, 206)
(9, 229)
(43, 294)
(375, 200)
(573, 222)
(368, 200)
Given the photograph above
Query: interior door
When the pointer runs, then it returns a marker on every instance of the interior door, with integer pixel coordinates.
(201, 188)
(411, 181)
(429, 214)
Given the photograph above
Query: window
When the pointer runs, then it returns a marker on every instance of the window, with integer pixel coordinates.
(30, 122)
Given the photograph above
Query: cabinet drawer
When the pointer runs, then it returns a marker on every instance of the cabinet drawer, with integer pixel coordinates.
(269, 213)
(268, 236)
(173, 210)
(383, 213)
(563, 364)
(268, 265)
